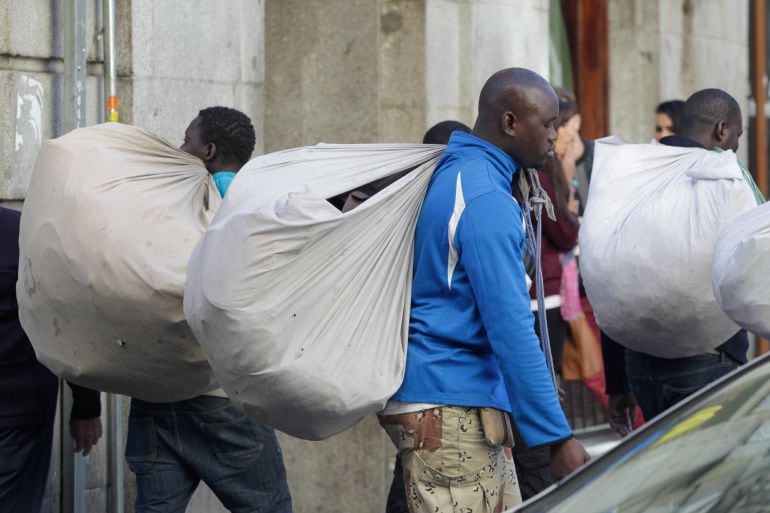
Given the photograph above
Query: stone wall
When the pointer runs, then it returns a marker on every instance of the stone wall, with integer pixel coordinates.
(398, 67)
(189, 54)
(667, 49)
(31, 70)
(468, 40)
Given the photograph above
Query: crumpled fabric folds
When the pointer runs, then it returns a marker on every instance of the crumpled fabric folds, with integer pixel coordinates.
(111, 217)
(302, 309)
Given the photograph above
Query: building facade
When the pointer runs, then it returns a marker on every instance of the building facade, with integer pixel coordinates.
(352, 71)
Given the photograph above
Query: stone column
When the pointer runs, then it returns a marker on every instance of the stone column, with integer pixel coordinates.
(190, 54)
(31, 68)
(468, 40)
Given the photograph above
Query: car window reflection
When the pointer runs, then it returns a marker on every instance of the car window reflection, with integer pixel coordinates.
(709, 455)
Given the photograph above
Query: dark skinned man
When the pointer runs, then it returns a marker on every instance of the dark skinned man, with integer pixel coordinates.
(473, 354)
(711, 119)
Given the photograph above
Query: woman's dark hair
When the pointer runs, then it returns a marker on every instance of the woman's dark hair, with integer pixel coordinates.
(567, 105)
(555, 172)
(674, 109)
(553, 168)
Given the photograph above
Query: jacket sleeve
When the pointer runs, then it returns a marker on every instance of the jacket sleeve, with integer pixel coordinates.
(562, 233)
(86, 403)
(490, 242)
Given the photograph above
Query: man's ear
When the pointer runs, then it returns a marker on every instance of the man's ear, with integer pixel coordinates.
(508, 121)
(211, 152)
(720, 131)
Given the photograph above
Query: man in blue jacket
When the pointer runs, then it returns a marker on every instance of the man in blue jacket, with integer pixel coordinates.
(28, 395)
(473, 352)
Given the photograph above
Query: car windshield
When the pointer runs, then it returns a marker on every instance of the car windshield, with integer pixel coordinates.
(711, 454)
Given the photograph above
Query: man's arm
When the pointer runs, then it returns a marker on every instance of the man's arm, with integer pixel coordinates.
(613, 355)
(85, 424)
(490, 239)
(622, 405)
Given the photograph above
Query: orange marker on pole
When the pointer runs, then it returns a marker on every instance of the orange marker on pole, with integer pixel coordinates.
(112, 109)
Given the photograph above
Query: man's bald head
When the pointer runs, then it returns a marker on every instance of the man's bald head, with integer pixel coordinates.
(517, 112)
(713, 118)
(510, 87)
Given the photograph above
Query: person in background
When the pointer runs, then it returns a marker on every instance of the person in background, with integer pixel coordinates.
(575, 153)
(171, 447)
(560, 236)
(437, 134)
(711, 119)
(442, 131)
(28, 395)
(668, 118)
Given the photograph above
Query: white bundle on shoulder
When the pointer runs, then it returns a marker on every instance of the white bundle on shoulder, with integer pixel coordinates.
(647, 240)
(740, 279)
(111, 217)
(303, 310)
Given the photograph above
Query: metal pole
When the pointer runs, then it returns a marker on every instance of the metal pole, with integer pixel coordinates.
(115, 474)
(74, 64)
(760, 121)
(114, 402)
(110, 70)
(760, 94)
(74, 116)
(115, 455)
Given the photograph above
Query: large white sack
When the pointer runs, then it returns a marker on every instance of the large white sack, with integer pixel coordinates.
(110, 219)
(741, 270)
(303, 310)
(647, 240)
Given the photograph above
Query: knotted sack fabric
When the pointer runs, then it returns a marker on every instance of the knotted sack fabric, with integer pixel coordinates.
(740, 277)
(647, 240)
(303, 310)
(110, 219)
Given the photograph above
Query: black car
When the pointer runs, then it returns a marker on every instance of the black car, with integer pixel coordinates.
(709, 454)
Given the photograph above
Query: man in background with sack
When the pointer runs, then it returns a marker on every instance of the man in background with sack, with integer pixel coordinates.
(473, 354)
(28, 395)
(171, 447)
(711, 119)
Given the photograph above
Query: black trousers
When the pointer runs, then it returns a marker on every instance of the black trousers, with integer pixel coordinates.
(25, 456)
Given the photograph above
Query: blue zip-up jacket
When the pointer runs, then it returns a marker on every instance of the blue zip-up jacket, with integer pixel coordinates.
(471, 332)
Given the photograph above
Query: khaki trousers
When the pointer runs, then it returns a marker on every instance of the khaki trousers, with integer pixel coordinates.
(448, 465)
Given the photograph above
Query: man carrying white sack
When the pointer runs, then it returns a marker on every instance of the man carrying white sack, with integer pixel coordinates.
(473, 353)
(171, 447)
(711, 119)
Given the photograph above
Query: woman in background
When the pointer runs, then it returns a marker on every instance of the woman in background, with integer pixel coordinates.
(668, 117)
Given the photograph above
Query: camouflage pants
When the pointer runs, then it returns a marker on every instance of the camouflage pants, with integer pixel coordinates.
(448, 465)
